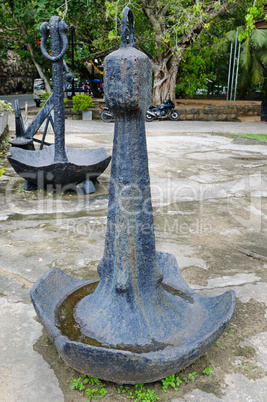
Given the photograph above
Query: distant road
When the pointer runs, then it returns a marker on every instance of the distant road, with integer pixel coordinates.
(21, 98)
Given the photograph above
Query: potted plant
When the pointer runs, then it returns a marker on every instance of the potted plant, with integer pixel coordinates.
(82, 102)
(5, 108)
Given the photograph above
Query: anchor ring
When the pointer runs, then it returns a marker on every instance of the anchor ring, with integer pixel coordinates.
(63, 29)
(127, 13)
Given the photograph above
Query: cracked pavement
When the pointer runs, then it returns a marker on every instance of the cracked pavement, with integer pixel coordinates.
(209, 193)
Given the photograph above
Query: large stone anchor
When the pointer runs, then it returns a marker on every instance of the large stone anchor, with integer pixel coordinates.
(140, 322)
(56, 166)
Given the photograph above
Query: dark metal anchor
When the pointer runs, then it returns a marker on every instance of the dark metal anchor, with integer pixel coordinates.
(57, 165)
(141, 322)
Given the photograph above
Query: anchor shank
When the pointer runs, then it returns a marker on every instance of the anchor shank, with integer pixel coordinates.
(130, 227)
(129, 289)
(59, 113)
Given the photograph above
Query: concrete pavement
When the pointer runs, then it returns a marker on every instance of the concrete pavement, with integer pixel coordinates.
(209, 192)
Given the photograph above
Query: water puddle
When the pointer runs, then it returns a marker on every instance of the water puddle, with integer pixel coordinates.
(72, 330)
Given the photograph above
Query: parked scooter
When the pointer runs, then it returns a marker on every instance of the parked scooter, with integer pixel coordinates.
(106, 114)
(166, 109)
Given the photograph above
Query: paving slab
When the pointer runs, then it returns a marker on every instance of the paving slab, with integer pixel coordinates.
(209, 193)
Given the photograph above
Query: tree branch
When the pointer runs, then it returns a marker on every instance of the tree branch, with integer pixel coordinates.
(150, 14)
(222, 9)
(104, 53)
(11, 29)
(101, 53)
(187, 39)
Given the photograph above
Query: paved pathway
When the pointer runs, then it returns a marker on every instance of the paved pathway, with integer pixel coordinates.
(209, 196)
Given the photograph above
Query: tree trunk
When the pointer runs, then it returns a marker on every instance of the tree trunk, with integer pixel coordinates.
(42, 75)
(37, 65)
(165, 80)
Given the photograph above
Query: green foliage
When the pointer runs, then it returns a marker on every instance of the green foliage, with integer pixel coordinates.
(82, 102)
(192, 376)
(5, 106)
(253, 58)
(122, 389)
(253, 13)
(163, 29)
(208, 370)
(20, 22)
(44, 97)
(195, 72)
(219, 345)
(94, 388)
(82, 384)
(259, 38)
(172, 382)
(142, 394)
(95, 393)
(76, 383)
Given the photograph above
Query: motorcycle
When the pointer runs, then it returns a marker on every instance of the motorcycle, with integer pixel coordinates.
(166, 109)
(106, 114)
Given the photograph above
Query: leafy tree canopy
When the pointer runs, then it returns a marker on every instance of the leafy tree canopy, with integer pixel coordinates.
(173, 33)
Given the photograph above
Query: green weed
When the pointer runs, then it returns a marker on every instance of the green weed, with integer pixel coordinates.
(172, 382)
(192, 376)
(95, 393)
(93, 388)
(77, 384)
(218, 344)
(208, 370)
(82, 384)
(122, 389)
(246, 367)
(142, 394)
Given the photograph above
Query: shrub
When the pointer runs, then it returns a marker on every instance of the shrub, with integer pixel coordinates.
(5, 106)
(81, 102)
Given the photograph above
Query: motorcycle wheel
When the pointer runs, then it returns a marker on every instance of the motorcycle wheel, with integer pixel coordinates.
(149, 117)
(105, 116)
(174, 115)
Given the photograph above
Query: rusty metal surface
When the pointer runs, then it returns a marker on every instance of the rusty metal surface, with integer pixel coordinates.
(142, 322)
